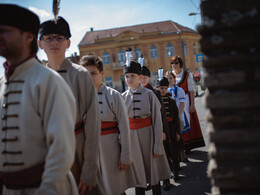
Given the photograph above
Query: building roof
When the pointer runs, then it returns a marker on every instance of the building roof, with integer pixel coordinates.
(166, 27)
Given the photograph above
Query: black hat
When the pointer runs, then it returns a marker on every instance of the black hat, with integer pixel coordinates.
(134, 67)
(163, 82)
(146, 71)
(50, 27)
(19, 17)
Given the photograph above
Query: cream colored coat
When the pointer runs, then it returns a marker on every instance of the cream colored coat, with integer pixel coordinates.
(147, 141)
(45, 116)
(87, 143)
(113, 108)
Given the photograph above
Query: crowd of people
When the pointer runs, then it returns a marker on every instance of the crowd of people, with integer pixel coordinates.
(63, 131)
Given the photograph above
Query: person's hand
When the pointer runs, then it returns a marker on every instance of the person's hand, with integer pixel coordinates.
(164, 136)
(192, 108)
(122, 166)
(156, 155)
(178, 137)
(84, 187)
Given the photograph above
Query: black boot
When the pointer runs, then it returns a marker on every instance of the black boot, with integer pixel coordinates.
(166, 185)
(139, 191)
(187, 151)
(157, 189)
(148, 187)
(176, 176)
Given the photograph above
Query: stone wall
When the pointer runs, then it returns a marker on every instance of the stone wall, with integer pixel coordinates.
(231, 43)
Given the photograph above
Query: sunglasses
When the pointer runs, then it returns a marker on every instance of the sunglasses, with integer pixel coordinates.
(175, 63)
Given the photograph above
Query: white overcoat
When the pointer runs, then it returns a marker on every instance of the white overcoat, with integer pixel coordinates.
(87, 143)
(146, 141)
(38, 111)
(113, 108)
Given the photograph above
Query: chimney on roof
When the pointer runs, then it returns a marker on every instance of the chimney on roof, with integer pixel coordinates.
(143, 30)
(91, 29)
(158, 28)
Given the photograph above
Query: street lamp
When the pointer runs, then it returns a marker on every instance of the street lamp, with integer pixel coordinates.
(193, 14)
(182, 48)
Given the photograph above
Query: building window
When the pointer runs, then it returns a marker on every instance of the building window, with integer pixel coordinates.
(106, 58)
(137, 53)
(153, 52)
(169, 50)
(109, 82)
(194, 49)
(185, 48)
(121, 56)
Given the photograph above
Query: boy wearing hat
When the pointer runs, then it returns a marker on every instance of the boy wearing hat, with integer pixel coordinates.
(115, 155)
(35, 158)
(146, 131)
(172, 113)
(145, 81)
(54, 40)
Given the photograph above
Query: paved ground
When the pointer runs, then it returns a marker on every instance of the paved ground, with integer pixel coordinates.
(194, 180)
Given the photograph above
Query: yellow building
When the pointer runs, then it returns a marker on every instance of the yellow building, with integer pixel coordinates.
(157, 42)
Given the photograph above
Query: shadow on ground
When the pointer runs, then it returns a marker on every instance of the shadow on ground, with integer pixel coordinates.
(194, 180)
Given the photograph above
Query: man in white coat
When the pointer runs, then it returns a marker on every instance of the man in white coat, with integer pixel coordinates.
(38, 113)
(117, 169)
(146, 130)
(54, 40)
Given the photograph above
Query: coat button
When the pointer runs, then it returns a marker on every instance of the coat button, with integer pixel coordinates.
(3, 117)
(4, 106)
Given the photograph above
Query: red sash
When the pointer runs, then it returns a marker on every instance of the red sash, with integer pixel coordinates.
(184, 82)
(109, 127)
(140, 123)
(169, 119)
(79, 128)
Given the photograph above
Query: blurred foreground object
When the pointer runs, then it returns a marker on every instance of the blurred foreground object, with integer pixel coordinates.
(230, 41)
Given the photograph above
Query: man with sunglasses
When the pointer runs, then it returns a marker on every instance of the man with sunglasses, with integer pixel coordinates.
(54, 40)
(35, 158)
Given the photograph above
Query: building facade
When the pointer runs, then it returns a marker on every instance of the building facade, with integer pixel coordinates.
(157, 42)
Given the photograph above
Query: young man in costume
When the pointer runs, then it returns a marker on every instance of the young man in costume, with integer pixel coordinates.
(115, 155)
(37, 147)
(145, 130)
(145, 82)
(172, 113)
(54, 40)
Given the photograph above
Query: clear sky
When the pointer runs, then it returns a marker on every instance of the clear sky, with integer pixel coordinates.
(103, 14)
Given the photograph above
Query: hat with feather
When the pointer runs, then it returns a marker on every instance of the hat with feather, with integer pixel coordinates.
(60, 28)
(162, 81)
(56, 26)
(145, 70)
(131, 66)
